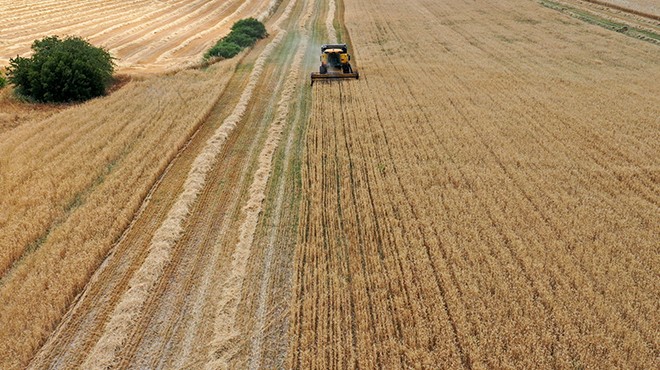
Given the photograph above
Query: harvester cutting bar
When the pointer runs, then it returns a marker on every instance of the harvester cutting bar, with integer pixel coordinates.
(316, 76)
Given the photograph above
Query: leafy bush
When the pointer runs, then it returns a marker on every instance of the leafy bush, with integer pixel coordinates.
(224, 50)
(250, 27)
(244, 33)
(240, 39)
(62, 70)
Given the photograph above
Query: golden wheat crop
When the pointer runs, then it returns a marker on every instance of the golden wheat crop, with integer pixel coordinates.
(145, 255)
(72, 183)
(485, 196)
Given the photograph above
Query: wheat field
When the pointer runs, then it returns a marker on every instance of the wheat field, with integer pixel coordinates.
(486, 195)
(72, 183)
(95, 181)
(145, 36)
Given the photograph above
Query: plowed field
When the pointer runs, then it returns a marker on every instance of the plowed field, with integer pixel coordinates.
(486, 195)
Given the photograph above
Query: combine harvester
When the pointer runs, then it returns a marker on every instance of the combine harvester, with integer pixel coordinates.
(335, 64)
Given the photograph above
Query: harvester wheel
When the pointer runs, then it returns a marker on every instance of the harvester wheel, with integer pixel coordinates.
(323, 69)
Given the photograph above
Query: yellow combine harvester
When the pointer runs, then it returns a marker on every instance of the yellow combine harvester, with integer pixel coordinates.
(335, 64)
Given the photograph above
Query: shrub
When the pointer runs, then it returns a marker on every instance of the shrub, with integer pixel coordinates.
(244, 33)
(62, 70)
(224, 50)
(240, 39)
(250, 27)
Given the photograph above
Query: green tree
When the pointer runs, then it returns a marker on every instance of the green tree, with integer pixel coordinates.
(62, 70)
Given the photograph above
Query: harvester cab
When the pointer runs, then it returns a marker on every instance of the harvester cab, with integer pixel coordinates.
(335, 64)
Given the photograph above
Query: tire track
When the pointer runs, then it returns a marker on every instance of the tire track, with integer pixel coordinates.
(330, 22)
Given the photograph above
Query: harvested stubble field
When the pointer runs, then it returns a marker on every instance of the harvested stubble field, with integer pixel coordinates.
(145, 35)
(485, 196)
